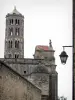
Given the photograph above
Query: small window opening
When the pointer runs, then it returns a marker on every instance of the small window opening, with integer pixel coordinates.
(24, 72)
(16, 44)
(17, 31)
(18, 22)
(11, 21)
(10, 31)
(16, 56)
(10, 44)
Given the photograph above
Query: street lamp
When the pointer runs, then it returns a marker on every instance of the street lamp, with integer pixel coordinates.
(64, 56)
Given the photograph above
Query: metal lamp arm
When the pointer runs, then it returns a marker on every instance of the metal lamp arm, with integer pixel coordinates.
(66, 46)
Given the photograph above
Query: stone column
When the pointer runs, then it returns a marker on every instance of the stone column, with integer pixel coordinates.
(53, 86)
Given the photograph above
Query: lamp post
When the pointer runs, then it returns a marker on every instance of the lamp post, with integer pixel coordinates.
(64, 56)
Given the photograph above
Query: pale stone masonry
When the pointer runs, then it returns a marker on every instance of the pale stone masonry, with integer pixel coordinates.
(15, 87)
(36, 70)
(14, 35)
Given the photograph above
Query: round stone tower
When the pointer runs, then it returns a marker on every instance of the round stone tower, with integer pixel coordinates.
(14, 35)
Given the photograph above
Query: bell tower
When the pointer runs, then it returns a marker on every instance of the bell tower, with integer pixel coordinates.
(14, 35)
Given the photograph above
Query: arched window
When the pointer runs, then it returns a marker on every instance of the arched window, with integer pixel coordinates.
(15, 21)
(16, 56)
(18, 22)
(17, 31)
(10, 31)
(10, 44)
(16, 44)
(11, 21)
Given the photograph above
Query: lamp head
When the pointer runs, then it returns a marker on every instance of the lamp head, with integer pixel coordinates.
(63, 57)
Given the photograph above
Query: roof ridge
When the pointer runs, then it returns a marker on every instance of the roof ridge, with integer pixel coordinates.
(43, 45)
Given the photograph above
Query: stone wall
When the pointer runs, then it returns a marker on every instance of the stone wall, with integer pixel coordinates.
(44, 54)
(42, 81)
(21, 65)
(14, 87)
(17, 35)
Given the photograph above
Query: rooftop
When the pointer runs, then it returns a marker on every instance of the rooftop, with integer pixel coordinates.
(15, 12)
(42, 47)
(45, 47)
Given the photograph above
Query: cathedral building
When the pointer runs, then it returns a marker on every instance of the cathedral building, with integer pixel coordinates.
(40, 70)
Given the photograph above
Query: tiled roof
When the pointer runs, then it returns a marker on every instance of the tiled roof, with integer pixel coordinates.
(41, 47)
